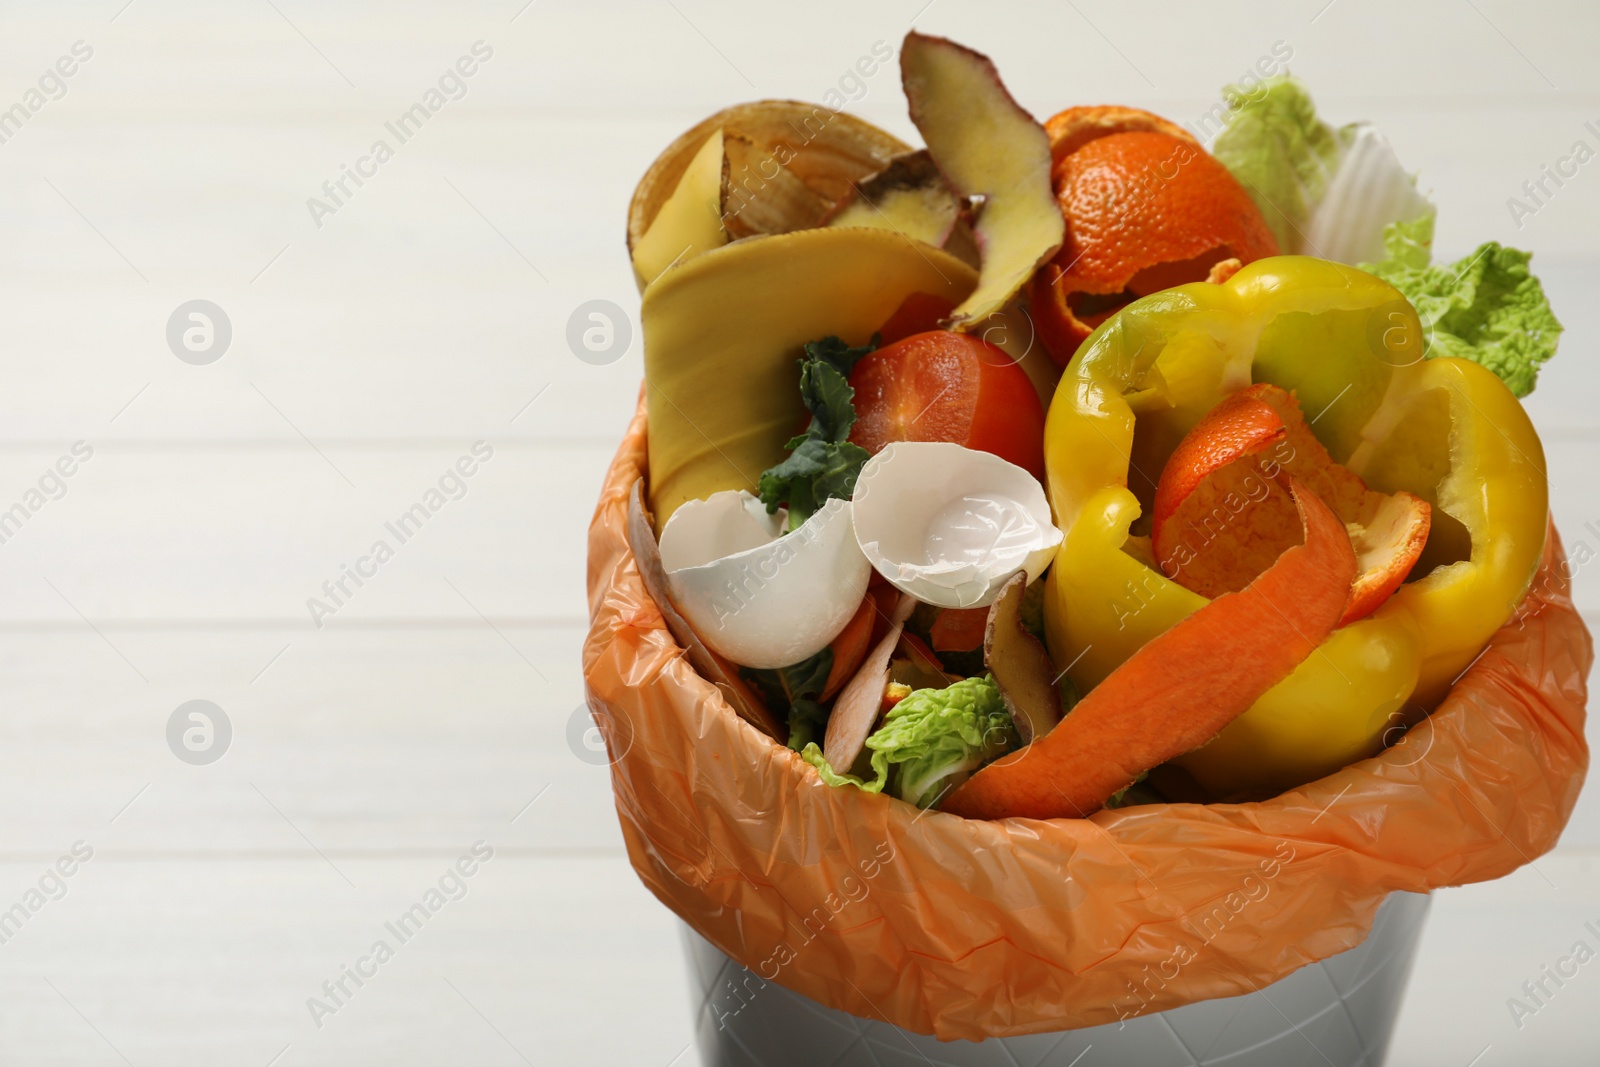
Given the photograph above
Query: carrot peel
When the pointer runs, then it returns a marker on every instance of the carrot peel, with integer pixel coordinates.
(850, 647)
(1181, 689)
(958, 629)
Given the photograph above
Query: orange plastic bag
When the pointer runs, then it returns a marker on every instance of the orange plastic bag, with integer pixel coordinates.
(969, 929)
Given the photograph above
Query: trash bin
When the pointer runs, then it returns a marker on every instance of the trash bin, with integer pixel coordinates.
(1339, 1012)
(979, 929)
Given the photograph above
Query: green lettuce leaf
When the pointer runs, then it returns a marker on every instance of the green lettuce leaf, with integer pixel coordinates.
(1406, 246)
(1281, 152)
(933, 739)
(813, 755)
(1324, 191)
(823, 464)
(1487, 307)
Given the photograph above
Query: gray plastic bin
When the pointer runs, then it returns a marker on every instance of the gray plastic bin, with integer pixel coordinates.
(1339, 1012)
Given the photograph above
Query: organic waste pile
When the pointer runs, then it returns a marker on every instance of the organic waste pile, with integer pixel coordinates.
(1063, 466)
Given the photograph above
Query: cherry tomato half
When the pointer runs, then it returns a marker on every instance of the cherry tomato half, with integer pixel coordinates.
(944, 386)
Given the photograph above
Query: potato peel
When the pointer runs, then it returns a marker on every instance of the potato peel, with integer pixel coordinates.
(993, 153)
(1020, 665)
(861, 701)
(909, 196)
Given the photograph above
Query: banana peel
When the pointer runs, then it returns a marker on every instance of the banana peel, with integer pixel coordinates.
(690, 220)
(823, 151)
(723, 331)
(724, 322)
(761, 195)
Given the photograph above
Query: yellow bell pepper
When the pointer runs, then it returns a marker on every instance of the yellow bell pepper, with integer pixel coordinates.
(1352, 349)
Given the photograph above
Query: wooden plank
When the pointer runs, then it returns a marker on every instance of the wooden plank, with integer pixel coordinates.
(222, 532)
(532, 960)
(353, 741)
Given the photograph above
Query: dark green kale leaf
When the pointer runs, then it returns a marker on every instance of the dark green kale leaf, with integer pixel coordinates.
(793, 691)
(822, 463)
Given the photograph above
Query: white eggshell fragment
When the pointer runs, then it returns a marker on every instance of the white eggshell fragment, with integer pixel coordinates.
(704, 531)
(950, 525)
(759, 596)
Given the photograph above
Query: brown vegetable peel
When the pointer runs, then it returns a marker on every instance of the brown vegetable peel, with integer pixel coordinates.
(1020, 665)
(760, 195)
(910, 196)
(859, 704)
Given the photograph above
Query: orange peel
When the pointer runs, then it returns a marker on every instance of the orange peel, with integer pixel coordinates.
(1146, 208)
(1220, 517)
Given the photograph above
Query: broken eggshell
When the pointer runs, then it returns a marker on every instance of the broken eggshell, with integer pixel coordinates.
(759, 596)
(950, 525)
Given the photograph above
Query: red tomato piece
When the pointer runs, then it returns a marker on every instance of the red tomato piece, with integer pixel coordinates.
(945, 386)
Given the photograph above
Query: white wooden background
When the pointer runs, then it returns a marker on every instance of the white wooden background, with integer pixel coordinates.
(426, 314)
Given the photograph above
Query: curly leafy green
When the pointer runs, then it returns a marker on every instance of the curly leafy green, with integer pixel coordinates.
(933, 739)
(823, 464)
(1487, 307)
(1406, 246)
